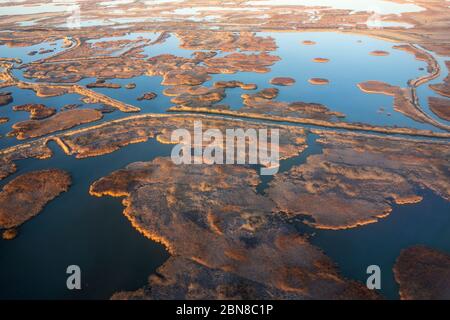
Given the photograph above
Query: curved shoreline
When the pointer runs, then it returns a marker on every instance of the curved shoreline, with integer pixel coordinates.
(413, 84)
(416, 112)
(10, 80)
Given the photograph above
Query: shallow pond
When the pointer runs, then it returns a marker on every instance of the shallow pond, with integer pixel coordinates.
(350, 63)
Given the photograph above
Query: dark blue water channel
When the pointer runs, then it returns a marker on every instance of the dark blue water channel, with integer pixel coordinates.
(353, 250)
(91, 232)
(79, 229)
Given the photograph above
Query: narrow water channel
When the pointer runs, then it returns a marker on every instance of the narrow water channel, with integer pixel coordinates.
(286, 165)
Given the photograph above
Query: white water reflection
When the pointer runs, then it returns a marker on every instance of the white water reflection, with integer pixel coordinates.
(378, 24)
(16, 10)
(378, 6)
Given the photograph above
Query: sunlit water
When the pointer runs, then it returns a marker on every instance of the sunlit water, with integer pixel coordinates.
(350, 63)
(79, 229)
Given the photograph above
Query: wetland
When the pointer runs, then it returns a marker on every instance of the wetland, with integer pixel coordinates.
(86, 178)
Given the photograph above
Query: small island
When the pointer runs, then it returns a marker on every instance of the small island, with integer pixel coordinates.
(318, 81)
(25, 196)
(379, 53)
(282, 81)
(321, 60)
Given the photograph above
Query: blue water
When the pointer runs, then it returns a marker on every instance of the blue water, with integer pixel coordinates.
(350, 64)
(22, 52)
(143, 84)
(79, 229)
(353, 250)
(91, 232)
(426, 223)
